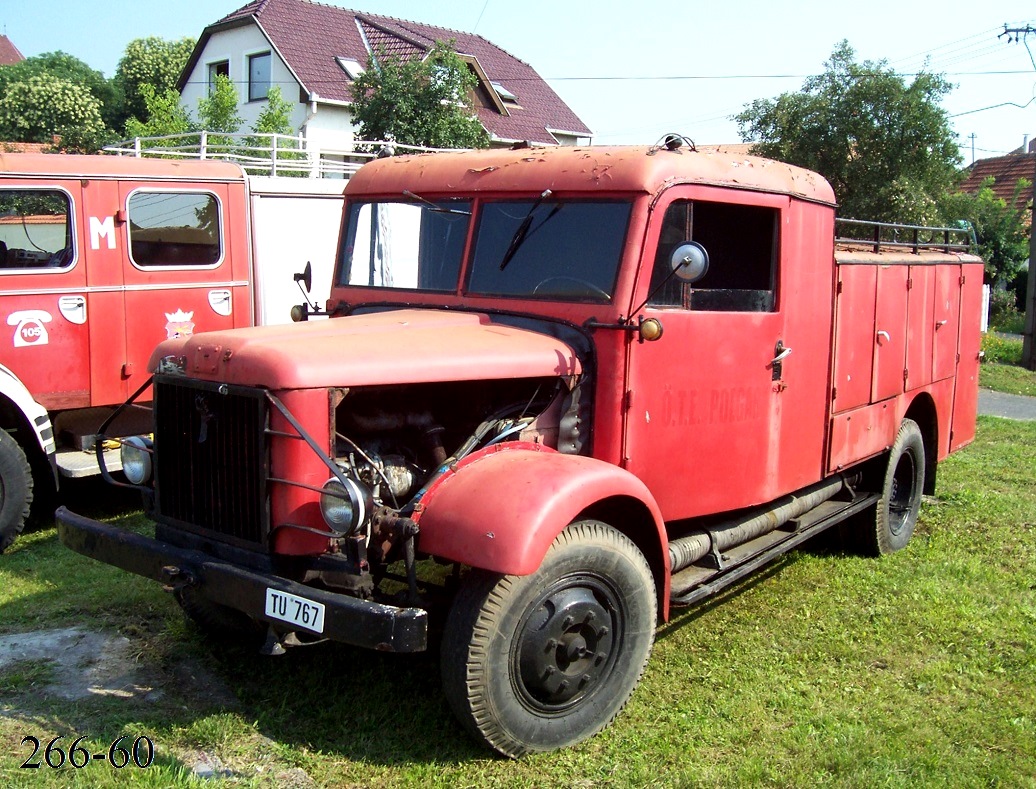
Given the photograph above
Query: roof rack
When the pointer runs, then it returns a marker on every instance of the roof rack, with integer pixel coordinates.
(886, 235)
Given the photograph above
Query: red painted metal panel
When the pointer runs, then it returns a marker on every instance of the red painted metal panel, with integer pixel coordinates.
(854, 337)
(396, 347)
(162, 301)
(292, 458)
(890, 326)
(947, 321)
(920, 326)
(965, 399)
(43, 311)
(861, 433)
(708, 428)
(502, 508)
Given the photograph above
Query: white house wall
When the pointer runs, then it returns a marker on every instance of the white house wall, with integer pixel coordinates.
(234, 46)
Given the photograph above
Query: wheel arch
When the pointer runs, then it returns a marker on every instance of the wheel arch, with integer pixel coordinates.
(501, 509)
(632, 518)
(923, 411)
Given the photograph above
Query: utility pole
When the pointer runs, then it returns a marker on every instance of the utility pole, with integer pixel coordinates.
(1028, 346)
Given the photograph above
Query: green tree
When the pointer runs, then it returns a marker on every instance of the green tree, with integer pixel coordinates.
(164, 116)
(150, 61)
(70, 69)
(275, 119)
(45, 106)
(217, 112)
(885, 146)
(1003, 238)
(419, 102)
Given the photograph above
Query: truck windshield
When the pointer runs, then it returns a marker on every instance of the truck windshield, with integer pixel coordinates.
(557, 249)
(540, 248)
(411, 245)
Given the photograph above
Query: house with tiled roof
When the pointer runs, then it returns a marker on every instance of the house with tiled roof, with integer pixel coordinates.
(314, 51)
(9, 54)
(1005, 171)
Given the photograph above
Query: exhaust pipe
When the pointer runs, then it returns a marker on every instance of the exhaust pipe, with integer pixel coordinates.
(685, 551)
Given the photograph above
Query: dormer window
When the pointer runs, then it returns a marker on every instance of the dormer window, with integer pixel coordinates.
(351, 67)
(504, 93)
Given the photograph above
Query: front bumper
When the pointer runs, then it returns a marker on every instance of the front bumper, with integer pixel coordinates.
(347, 619)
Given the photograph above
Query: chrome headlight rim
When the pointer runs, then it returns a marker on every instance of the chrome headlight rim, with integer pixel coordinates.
(135, 455)
(346, 505)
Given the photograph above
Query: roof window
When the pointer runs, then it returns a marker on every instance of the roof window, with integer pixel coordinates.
(351, 67)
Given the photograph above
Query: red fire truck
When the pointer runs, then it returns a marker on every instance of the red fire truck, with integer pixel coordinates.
(103, 257)
(562, 391)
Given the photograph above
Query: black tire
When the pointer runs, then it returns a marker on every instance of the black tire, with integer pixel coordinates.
(900, 502)
(537, 662)
(218, 622)
(15, 490)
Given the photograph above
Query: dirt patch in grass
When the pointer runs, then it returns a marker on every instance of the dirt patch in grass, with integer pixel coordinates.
(84, 663)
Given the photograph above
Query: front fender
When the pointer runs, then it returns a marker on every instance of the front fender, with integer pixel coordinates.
(501, 508)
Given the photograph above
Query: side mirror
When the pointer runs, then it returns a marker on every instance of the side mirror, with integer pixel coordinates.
(305, 277)
(690, 262)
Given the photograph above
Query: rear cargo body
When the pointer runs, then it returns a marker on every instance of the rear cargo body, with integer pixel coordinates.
(560, 392)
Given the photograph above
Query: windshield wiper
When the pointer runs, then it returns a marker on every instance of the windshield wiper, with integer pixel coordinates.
(522, 232)
(432, 206)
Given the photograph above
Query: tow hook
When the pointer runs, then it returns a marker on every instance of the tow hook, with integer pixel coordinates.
(276, 642)
(176, 578)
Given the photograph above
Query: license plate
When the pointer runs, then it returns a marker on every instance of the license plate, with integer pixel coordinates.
(296, 610)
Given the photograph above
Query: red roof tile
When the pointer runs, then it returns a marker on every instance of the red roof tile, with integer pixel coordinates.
(9, 54)
(1005, 170)
(309, 36)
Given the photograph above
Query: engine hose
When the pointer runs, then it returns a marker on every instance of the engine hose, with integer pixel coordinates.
(686, 550)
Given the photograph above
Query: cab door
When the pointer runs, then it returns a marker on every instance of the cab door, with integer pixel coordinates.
(186, 269)
(43, 289)
(727, 408)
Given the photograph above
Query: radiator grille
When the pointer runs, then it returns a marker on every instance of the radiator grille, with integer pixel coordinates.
(211, 459)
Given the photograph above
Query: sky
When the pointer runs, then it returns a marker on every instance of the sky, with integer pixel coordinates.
(635, 72)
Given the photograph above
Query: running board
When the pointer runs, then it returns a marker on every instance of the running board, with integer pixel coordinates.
(695, 583)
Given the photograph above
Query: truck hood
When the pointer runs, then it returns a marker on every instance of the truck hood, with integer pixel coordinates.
(396, 347)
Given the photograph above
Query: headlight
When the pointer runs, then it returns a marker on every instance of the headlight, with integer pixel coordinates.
(136, 459)
(346, 508)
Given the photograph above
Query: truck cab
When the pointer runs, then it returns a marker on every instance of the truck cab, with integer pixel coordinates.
(560, 391)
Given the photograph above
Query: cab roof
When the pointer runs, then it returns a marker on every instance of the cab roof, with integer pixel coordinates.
(601, 169)
(56, 165)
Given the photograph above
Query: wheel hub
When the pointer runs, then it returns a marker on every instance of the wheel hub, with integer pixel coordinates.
(566, 645)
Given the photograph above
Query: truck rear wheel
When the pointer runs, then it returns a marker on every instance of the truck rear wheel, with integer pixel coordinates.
(15, 490)
(903, 486)
(537, 662)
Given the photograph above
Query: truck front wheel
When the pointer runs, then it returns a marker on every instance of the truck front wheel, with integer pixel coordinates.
(901, 492)
(15, 490)
(537, 662)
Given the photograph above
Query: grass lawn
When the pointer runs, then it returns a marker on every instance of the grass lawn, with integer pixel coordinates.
(1001, 370)
(918, 669)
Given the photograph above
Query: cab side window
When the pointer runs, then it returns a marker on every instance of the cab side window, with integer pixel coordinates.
(175, 229)
(742, 244)
(35, 230)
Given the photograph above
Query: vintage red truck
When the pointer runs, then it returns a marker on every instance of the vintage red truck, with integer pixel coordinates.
(561, 392)
(101, 258)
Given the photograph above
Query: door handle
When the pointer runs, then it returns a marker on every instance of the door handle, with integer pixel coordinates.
(782, 354)
(886, 335)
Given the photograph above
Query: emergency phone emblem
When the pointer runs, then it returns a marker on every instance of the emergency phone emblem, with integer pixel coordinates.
(29, 327)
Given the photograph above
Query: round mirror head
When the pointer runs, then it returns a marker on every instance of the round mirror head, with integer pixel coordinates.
(690, 262)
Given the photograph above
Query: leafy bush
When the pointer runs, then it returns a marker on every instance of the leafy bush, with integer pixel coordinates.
(1003, 308)
(1001, 350)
